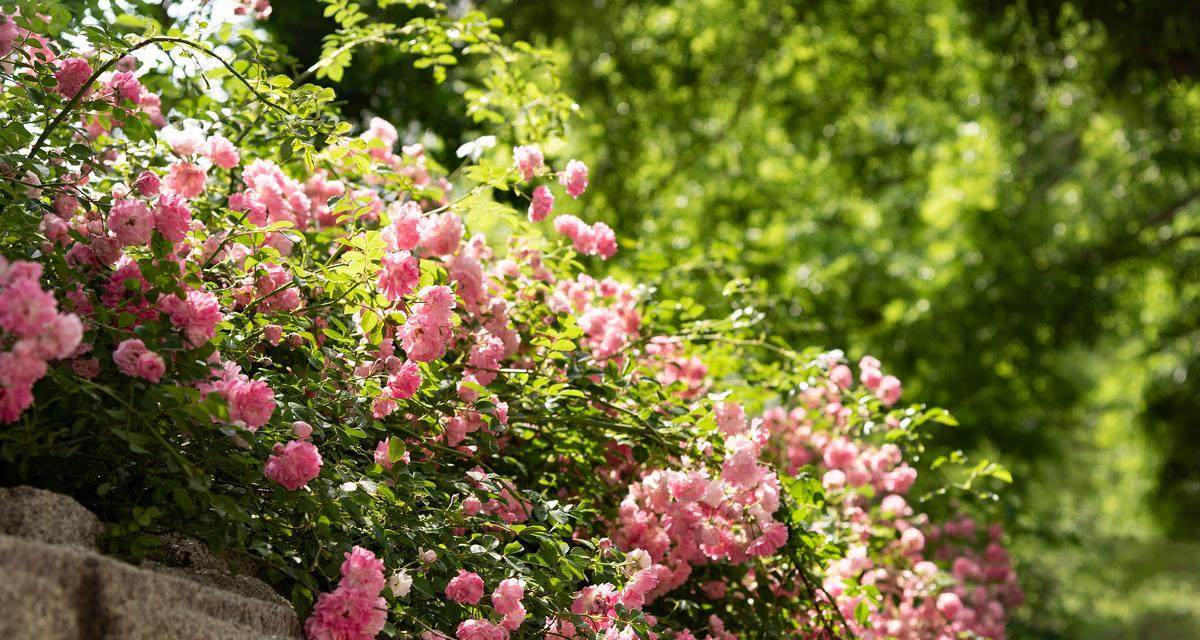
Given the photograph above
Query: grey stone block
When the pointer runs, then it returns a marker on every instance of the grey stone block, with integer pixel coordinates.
(54, 586)
(37, 514)
(143, 605)
(189, 558)
(45, 591)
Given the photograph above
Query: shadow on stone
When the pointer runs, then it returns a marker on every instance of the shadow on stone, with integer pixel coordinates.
(56, 587)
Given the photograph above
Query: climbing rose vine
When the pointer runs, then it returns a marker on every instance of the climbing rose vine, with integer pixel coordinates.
(229, 312)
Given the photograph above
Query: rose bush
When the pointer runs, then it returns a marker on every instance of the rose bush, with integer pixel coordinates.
(224, 312)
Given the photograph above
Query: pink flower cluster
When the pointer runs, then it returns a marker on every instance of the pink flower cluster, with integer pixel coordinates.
(221, 152)
(529, 161)
(917, 603)
(432, 327)
(717, 504)
(886, 388)
(506, 600)
(818, 430)
(540, 204)
(250, 402)
(355, 610)
(260, 8)
(595, 240)
(132, 221)
(8, 34)
(116, 88)
(383, 455)
(426, 333)
(694, 516)
(272, 290)
(135, 360)
(381, 137)
(605, 309)
(32, 333)
(673, 365)
(506, 506)
(186, 179)
(888, 544)
(575, 178)
(293, 465)
(597, 606)
(467, 588)
(440, 233)
(272, 196)
(71, 76)
(190, 142)
(404, 382)
(196, 315)
(402, 232)
(398, 275)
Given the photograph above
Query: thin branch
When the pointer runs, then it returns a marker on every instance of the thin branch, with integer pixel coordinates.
(1168, 213)
(74, 101)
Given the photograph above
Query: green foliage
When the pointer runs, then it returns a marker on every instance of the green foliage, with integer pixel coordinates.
(294, 237)
(999, 197)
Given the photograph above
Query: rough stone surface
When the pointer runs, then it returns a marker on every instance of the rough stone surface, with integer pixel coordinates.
(65, 591)
(46, 516)
(189, 558)
(141, 605)
(44, 592)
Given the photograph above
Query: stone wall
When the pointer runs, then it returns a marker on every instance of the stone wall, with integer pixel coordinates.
(55, 586)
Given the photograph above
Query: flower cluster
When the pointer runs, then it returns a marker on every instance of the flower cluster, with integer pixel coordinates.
(606, 310)
(312, 353)
(672, 364)
(703, 513)
(294, 464)
(468, 588)
(355, 610)
(595, 240)
(33, 332)
(134, 359)
(889, 543)
(250, 402)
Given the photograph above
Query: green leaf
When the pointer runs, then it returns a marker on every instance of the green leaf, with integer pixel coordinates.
(862, 612)
(396, 449)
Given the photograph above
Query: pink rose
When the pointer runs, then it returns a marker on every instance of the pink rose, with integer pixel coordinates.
(508, 595)
(72, 75)
(475, 629)
(575, 178)
(150, 366)
(465, 588)
(186, 179)
(528, 160)
(131, 222)
(147, 183)
(540, 204)
(294, 465)
(361, 569)
(135, 360)
(221, 152)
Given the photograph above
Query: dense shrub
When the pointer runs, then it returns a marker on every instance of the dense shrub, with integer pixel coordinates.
(223, 313)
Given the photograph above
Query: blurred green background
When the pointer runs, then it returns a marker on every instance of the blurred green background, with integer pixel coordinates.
(1000, 200)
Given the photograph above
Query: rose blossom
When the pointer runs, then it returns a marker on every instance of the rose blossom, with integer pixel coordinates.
(293, 465)
(465, 588)
(575, 178)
